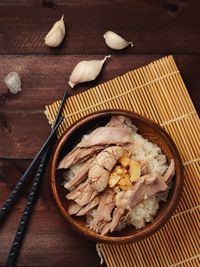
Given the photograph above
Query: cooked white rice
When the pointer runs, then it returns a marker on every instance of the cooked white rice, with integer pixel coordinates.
(145, 150)
(157, 163)
(144, 212)
(151, 153)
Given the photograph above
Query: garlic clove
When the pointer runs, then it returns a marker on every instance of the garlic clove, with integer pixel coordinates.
(115, 41)
(13, 82)
(86, 71)
(57, 33)
(135, 170)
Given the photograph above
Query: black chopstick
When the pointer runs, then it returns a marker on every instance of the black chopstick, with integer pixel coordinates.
(15, 192)
(60, 109)
(30, 202)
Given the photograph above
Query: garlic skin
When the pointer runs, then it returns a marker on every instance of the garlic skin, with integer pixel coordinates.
(57, 33)
(86, 71)
(115, 41)
(13, 82)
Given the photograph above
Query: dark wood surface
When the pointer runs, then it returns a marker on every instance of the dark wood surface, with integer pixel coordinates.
(156, 27)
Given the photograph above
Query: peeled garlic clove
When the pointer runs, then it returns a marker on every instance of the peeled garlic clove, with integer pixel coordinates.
(135, 171)
(13, 82)
(57, 33)
(113, 179)
(124, 161)
(115, 41)
(86, 71)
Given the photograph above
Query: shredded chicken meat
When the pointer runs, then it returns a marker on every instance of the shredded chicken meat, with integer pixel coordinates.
(91, 191)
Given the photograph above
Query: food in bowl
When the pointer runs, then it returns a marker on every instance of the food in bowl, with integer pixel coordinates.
(115, 177)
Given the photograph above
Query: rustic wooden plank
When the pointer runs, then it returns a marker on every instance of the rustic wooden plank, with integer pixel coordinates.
(56, 2)
(23, 135)
(155, 27)
(10, 173)
(49, 240)
(44, 80)
(42, 204)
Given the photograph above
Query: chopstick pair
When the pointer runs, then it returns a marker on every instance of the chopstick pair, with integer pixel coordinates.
(44, 153)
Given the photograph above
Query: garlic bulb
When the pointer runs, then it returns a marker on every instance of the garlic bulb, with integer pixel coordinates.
(115, 41)
(13, 82)
(86, 71)
(56, 35)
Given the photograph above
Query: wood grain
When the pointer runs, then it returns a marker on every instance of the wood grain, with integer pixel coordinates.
(153, 27)
(49, 242)
(157, 27)
(44, 80)
(47, 231)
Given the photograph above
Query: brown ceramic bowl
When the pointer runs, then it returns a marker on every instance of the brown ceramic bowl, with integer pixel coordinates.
(147, 129)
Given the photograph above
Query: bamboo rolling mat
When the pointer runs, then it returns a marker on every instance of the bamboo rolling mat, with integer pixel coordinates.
(158, 92)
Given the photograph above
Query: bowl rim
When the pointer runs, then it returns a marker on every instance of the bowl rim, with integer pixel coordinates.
(163, 216)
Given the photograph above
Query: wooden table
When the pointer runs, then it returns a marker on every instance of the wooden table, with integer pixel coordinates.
(157, 28)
